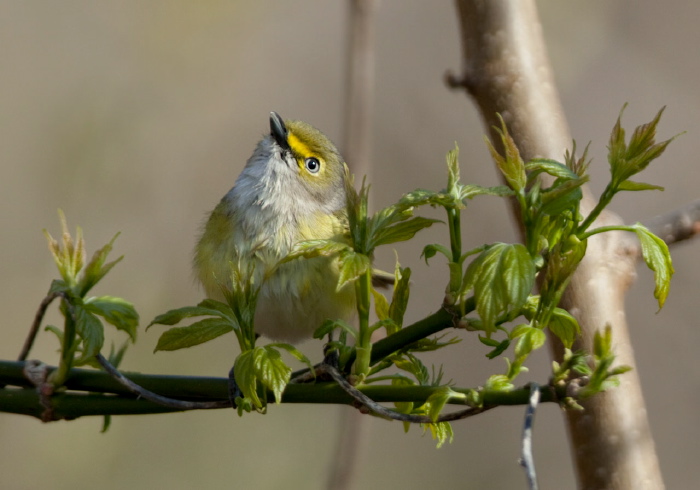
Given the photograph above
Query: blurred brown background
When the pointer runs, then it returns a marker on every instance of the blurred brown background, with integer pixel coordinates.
(137, 117)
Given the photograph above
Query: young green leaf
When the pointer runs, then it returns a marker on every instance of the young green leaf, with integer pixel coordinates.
(352, 265)
(603, 375)
(330, 325)
(470, 191)
(381, 305)
(519, 330)
(489, 341)
(629, 185)
(402, 231)
(402, 291)
(195, 334)
(502, 277)
(658, 259)
(106, 423)
(563, 260)
(387, 217)
(56, 331)
(431, 250)
(499, 348)
(602, 343)
(498, 382)
(411, 364)
(441, 432)
(551, 167)
(96, 269)
(626, 159)
(224, 310)
(439, 398)
(116, 311)
(269, 368)
(115, 356)
(580, 166)
(241, 297)
(296, 353)
(175, 316)
(564, 326)
(245, 373)
(510, 164)
(421, 197)
(69, 256)
(91, 331)
(59, 286)
(529, 339)
(562, 196)
(452, 159)
(432, 344)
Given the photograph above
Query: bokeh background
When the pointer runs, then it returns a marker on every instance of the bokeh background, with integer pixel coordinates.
(137, 117)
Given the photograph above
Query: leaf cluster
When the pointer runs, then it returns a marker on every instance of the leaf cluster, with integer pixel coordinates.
(256, 368)
(82, 336)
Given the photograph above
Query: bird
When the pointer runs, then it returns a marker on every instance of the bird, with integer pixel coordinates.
(292, 189)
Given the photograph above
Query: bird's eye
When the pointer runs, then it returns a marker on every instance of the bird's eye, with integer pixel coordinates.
(312, 165)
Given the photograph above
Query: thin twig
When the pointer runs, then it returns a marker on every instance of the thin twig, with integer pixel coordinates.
(678, 225)
(133, 387)
(527, 460)
(38, 319)
(367, 404)
(154, 397)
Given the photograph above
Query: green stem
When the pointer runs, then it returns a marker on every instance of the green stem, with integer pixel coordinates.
(456, 272)
(432, 324)
(603, 202)
(455, 226)
(549, 301)
(604, 229)
(440, 320)
(531, 224)
(363, 291)
(58, 378)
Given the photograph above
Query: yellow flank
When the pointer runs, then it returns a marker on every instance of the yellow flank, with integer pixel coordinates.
(214, 252)
(319, 225)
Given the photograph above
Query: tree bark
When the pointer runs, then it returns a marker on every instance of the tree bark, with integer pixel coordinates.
(506, 70)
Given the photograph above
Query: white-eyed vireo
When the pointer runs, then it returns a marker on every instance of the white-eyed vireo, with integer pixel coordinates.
(292, 189)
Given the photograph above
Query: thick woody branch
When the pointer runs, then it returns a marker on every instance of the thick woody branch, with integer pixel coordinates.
(678, 225)
(506, 70)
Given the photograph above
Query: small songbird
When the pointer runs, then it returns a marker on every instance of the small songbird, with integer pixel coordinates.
(292, 189)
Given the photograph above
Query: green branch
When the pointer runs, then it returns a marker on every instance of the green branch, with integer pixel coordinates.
(432, 324)
(97, 393)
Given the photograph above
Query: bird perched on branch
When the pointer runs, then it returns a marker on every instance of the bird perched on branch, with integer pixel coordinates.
(292, 189)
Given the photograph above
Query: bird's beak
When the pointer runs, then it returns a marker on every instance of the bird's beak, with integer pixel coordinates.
(279, 131)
